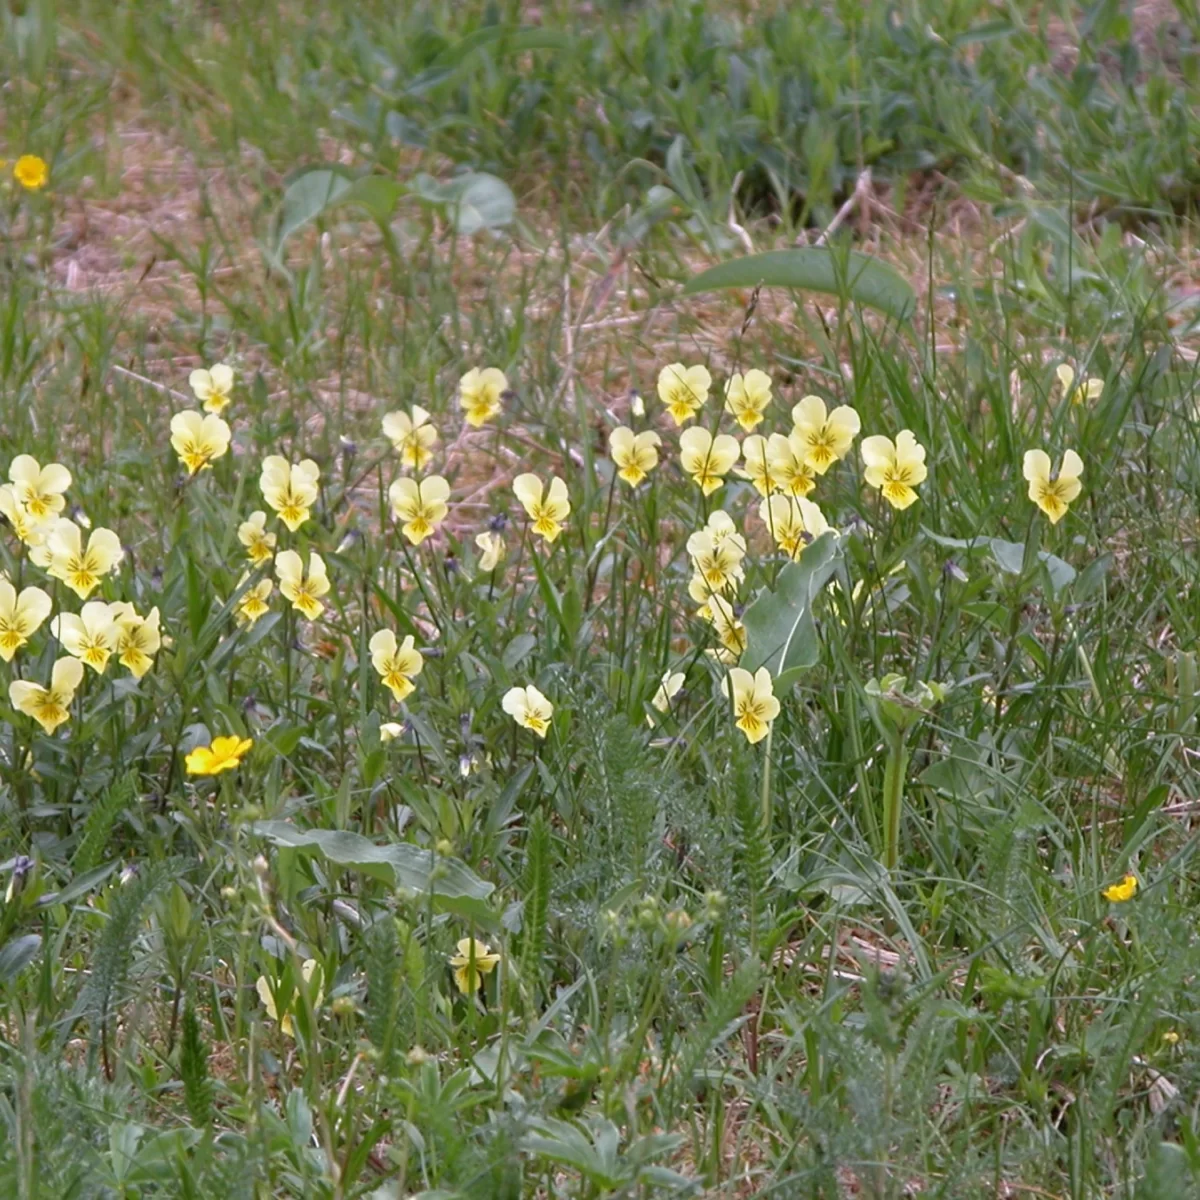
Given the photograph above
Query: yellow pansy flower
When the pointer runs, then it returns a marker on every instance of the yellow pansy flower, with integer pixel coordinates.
(27, 527)
(548, 508)
(308, 969)
(634, 455)
(707, 459)
(140, 638)
(480, 393)
(413, 436)
(472, 961)
(225, 754)
(683, 390)
(1051, 492)
(731, 633)
(747, 397)
(895, 468)
(253, 603)
(81, 569)
(213, 387)
(396, 665)
(49, 706)
(21, 614)
(793, 521)
(290, 489)
(717, 559)
(669, 687)
(824, 437)
(39, 489)
(31, 172)
(252, 533)
(303, 591)
(492, 550)
(198, 440)
(529, 708)
(389, 731)
(91, 636)
(1085, 389)
(420, 504)
(754, 702)
(1118, 893)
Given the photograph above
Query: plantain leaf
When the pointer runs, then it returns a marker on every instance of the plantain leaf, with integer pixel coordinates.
(17, 955)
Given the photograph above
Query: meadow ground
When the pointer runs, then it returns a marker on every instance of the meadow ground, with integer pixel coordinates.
(780, 804)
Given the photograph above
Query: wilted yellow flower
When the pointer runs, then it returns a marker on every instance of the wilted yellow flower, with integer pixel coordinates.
(1118, 893)
(529, 708)
(824, 438)
(683, 390)
(31, 172)
(198, 440)
(140, 638)
(895, 468)
(1052, 493)
(213, 387)
(413, 436)
(547, 508)
(668, 689)
(1085, 389)
(225, 754)
(262, 986)
(731, 633)
(39, 489)
(252, 533)
(420, 504)
(480, 393)
(303, 591)
(793, 521)
(754, 703)
(91, 636)
(49, 706)
(64, 556)
(717, 557)
(473, 961)
(492, 550)
(396, 665)
(253, 603)
(707, 459)
(291, 490)
(634, 455)
(747, 397)
(20, 616)
(21, 521)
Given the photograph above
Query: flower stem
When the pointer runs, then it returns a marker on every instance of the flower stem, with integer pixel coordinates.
(893, 797)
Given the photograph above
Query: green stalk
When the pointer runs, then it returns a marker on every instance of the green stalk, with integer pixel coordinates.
(893, 797)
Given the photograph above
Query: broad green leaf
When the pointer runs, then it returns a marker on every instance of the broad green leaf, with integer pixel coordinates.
(17, 955)
(307, 197)
(780, 632)
(847, 274)
(473, 201)
(1010, 557)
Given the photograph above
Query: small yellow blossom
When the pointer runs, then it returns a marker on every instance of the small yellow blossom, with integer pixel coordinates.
(290, 489)
(413, 436)
(707, 459)
(824, 438)
(91, 636)
(396, 665)
(390, 730)
(49, 706)
(31, 172)
(491, 550)
(252, 533)
(213, 387)
(793, 522)
(668, 689)
(39, 489)
(529, 708)
(473, 961)
(1085, 389)
(420, 504)
(480, 393)
(254, 601)
(225, 754)
(717, 558)
(262, 986)
(198, 440)
(895, 468)
(634, 455)
(303, 591)
(27, 527)
(754, 702)
(1052, 493)
(775, 464)
(547, 508)
(21, 614)
(747, 397)
(81, 569)
(731, 633)
(683, 390)
(1118, 893)
(140, 638)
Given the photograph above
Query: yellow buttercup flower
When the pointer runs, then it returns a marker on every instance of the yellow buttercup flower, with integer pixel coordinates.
(747, 397)
(252, 533)
(1085, 389)
(1051, 492)
(21, 614)
(413, 436)
(81, 569)
(824, 437)
(492, 550)
(27, 527)
(213, 387)
(1118, 893)
(253, 603)
(683, 390)
(396, 665)
(634, 455)
(754, 702)
(480, 393)
(302, 590)
(548, 508)
(198, 440)
(39, 489)
(529, 708)
(31, 172)
(225, 754)
(420, 504)
(895, 468)
(290, 489)
(793, 522)
(308, 969)
(139, 638)
(49, 706)
(707, 459)
(473, 961)
(91, 636)
(668, 689)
